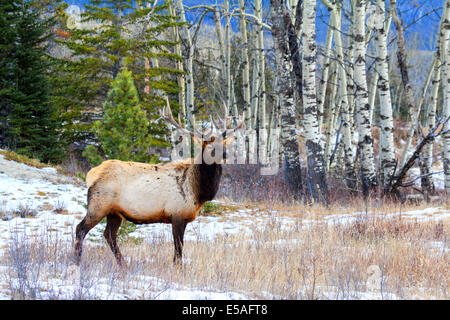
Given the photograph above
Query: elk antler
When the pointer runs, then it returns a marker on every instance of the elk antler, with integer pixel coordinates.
(177, 124)
(230, 132)
(225, 122)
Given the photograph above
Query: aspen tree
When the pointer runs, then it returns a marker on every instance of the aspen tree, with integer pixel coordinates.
(365, 140)
(387, 151)
(316, 167)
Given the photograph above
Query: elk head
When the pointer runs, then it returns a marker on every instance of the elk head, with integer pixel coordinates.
(210, 140)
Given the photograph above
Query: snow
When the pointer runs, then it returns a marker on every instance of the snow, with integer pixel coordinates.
(43, 190)
(39, 191)
(150, 288)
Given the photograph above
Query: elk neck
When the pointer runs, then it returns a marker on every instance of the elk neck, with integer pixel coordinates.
(206, 181)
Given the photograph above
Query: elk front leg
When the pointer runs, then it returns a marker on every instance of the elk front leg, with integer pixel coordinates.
(178, 227)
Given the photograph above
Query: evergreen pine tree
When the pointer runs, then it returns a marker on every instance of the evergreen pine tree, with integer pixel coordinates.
(123, 133)
(8, 18)
(30, 123)
(110, 32)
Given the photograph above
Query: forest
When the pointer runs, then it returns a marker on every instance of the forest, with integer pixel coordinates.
(334, 106)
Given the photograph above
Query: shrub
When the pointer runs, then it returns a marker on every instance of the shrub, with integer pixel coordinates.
(123, 133)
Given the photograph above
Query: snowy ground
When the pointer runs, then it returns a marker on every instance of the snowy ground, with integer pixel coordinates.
(40, 191)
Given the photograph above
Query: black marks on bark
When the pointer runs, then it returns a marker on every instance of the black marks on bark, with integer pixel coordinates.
(359, 38)
(317, 185)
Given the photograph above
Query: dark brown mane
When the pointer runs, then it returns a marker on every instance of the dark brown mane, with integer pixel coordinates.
(206, 181)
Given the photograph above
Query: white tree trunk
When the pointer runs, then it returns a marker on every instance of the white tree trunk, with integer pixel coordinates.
(316, 167)
(446, 107)
(285, 90)
(331, 119)
(229, 87)
(188, 53)
(262, 121)
(413, 108)
(387, 154)
(350, 67)
(220, 40)
(365, 142)
(347, 137)
(427, 162)
(373, 92)
(325, 72)
(254, 99)
(426, 167)
(180, 78)
(245, 67)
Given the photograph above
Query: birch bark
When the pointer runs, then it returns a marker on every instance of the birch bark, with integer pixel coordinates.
(331, 119)
(365, 141)
(245, 66)
(178, 51)
(228, 86)
(387, 149)
(325, 72)
(316, 167)
(427, 162)
(287, 121)
(188, 52)
(347, 137)
(402, 62)
(446, 107)
(262, 121)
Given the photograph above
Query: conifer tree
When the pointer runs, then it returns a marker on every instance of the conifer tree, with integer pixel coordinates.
(110, 32)
(29, 121)
(7, 65)
(123, 132)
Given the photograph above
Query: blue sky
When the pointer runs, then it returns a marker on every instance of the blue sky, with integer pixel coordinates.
(424, 29)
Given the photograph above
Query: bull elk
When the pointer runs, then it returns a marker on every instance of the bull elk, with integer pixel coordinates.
(147, 193)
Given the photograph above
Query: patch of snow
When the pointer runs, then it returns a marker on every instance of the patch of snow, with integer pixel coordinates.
(43, 190)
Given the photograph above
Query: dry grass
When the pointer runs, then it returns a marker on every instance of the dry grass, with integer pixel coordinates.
(312, 263)
(11, 155)
(69, 168)
(321, 261)
(24, 210)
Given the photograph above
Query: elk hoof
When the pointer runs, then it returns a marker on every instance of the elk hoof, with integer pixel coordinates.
(122, 264)
(178, 262)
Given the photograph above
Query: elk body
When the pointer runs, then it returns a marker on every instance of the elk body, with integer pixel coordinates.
(146, 193)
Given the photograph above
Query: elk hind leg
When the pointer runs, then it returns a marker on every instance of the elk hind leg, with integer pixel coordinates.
(81, 231)
(112, 227)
